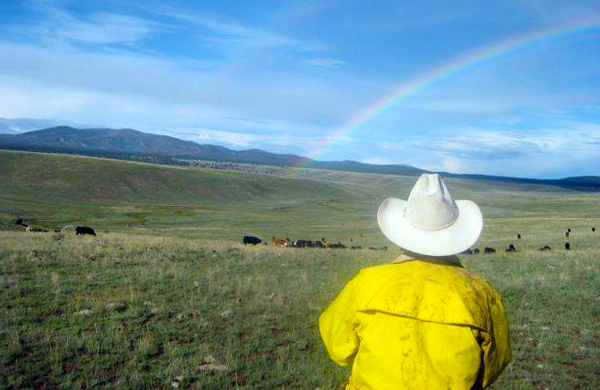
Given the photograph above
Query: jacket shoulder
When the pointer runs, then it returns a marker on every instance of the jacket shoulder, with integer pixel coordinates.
(428, 292)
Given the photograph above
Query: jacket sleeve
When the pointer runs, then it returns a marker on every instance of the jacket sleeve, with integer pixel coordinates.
(337, 325)
(496, 343)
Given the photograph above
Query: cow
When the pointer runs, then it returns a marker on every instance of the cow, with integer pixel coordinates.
(567, 234)
(356, 247)
(593, 229)
(545, 248)
(56, 230)
(476, 251)
(248, 240)
(18, 221)
(299, 244)
(279, 241)
(304, 244)
(519, 236)
(374, 248)
(569, 230)
(339, 245)
(567, 246)
(31, 229)
(320, 244)
(467, 251)
(83, 230)
(487, 249)
(511, 248)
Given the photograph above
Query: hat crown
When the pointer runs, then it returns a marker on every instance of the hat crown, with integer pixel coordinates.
(430, 206)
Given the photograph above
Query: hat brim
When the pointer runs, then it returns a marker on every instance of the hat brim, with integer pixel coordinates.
(456, 238)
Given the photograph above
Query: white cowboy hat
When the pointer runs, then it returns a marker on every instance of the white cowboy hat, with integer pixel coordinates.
(430, 223)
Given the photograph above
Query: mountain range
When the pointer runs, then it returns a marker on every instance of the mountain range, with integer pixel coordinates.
(128, 143)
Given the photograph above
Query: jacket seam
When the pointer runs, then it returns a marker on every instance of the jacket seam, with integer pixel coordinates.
(465, 324)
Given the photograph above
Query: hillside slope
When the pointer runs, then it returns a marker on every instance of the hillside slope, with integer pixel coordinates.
(104, 142)
(129, 140)
(54, 190)
(100, 181)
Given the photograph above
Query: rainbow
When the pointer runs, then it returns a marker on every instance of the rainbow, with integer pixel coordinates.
(453, 66)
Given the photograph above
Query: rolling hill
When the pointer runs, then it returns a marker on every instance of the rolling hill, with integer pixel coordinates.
(54, 190)
(131, 144)
(99, 142)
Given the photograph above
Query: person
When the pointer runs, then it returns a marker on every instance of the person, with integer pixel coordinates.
(422, 321)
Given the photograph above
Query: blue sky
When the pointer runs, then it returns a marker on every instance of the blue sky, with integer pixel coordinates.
(285, 76)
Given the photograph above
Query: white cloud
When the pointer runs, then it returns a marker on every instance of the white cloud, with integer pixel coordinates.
(280, 142)
(104, 28)
(470, 106)
(217, 30)
(140, 84)
(380, 161)
(326, 62)
(101, 28)
(568, 149)
(238, 140)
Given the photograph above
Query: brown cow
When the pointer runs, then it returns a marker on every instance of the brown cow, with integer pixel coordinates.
(279, 241)
(31, 229)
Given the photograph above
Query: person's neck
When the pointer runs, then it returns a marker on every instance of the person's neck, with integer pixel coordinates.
(410, 256)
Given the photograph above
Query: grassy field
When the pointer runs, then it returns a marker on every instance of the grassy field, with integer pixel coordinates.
(166, 297)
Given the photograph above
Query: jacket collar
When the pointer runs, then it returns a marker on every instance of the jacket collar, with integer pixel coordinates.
(446, 260)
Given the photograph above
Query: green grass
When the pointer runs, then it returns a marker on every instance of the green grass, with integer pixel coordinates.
(253, 309)
(147, 304)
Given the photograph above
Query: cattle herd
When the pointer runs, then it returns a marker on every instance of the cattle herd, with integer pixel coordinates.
(511, 247)
(287, 242)
(79, 230)
(300, 243)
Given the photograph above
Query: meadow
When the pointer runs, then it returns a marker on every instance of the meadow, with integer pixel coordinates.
(166, 296)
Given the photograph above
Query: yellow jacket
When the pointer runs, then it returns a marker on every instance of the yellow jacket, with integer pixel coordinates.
(418, 324)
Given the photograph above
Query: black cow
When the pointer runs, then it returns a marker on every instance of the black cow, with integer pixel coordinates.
(569, 230)
(476, 251)
(356, 247)
(545, 248)
(511, 248)
(567, 246)
(251, 240)
(383, 248)
(339, 245)
(593, 229)
(519, 236)
(487, 249)
(18, 221)
(305, 244)
(83, 230)
(468, 251)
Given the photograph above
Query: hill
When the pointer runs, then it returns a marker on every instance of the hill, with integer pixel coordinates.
(129, 144)
(55, 190)
(104, 142)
